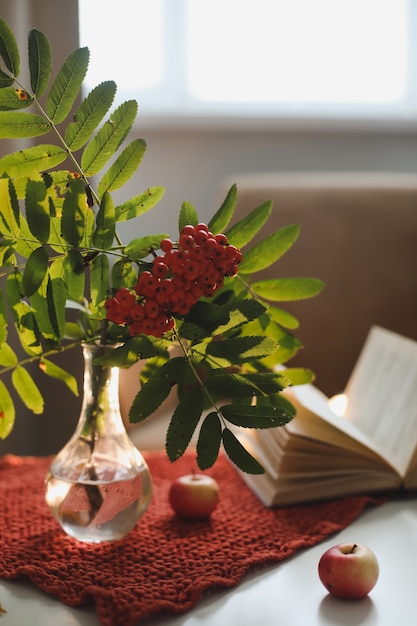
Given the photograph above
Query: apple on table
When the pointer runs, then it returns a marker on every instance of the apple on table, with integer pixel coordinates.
(194, 496)
(349, 570)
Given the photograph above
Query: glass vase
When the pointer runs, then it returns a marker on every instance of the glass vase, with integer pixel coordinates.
(98, 486)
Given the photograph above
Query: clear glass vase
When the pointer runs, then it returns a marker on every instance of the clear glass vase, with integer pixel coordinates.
(98, 486)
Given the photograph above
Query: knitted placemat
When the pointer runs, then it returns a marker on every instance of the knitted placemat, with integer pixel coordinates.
(165, 564)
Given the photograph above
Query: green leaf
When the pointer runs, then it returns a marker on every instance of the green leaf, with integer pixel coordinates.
(110, 136)
(40, 309)
(279, 316)
(23, 317)
(27, 390)
(188, 215)
(8, 357)
(56, 294)
(263, 416)
(74, 274)
(5, 80)
(203, 319)
(229, 386)
(8, 49)
(67, 85)
(54, 371)
(241, 349)
(157, 388)
(288, 344)
(29, 160)
(7, 412)
(152, 367)
(239, 455)
(184, 422)
(35, 270)
(139, 204)
(209, 440)
(123, 167)
(267, 382)
(37, 210)
(89, 115)
(133, 350)
(73, 331)
(221, 219)
(14, 124)
(40, 61)
(106, 227)
(75, 214)
(243, 231)
(298, 375)
(142, 247)
(9, 209)
(12, 99)
(123, 274)
(269, 250)
(26, 244)
(149, 399)
(246, 385)
(287, 289)
(241, 312)
(3, 319)
(99, 278)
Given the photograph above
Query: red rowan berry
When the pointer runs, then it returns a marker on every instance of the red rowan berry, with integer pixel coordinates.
(147, 326)
(146, 284)
(160, 269)
(188, 229)
(210, 246)
(151, 309)
(111, 304)
(135, 329)
(196, 290)
(191, 270)
(125, 297)
(200, 237)
(166, 245)
(196, 253)
(137, 312)
(221, 239)
(186, 242)
(231, 252)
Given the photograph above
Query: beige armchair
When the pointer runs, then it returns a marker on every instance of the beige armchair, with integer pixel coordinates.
(359, 235)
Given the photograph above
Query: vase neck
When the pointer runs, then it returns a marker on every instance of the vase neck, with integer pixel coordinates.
(100, 409)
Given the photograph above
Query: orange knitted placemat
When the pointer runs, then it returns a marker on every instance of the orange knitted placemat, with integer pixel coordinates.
(165, 564)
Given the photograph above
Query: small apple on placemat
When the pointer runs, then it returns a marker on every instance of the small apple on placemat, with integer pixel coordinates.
(194, 496)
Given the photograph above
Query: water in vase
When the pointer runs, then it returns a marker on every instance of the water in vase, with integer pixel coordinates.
(97, 511)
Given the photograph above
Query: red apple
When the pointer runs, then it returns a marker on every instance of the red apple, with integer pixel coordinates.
(349, 570)
(194, 496)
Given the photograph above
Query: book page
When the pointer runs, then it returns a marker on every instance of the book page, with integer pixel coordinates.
(382, 395)
(333, 429)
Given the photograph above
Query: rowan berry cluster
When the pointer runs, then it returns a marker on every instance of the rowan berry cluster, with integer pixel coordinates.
(179, 277)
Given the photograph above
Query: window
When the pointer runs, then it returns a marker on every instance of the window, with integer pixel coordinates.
(337, 59)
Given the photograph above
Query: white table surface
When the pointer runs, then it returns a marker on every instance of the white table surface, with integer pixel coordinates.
(288, 593)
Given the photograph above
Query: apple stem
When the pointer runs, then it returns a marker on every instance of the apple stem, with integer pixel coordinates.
(354, 546)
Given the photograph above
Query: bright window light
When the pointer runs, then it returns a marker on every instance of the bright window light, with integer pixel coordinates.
(298, 51)
(126, 43)
(320, 59)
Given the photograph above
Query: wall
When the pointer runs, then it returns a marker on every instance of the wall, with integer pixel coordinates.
(192, 164)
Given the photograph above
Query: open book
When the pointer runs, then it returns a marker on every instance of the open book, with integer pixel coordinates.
(371, 448)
